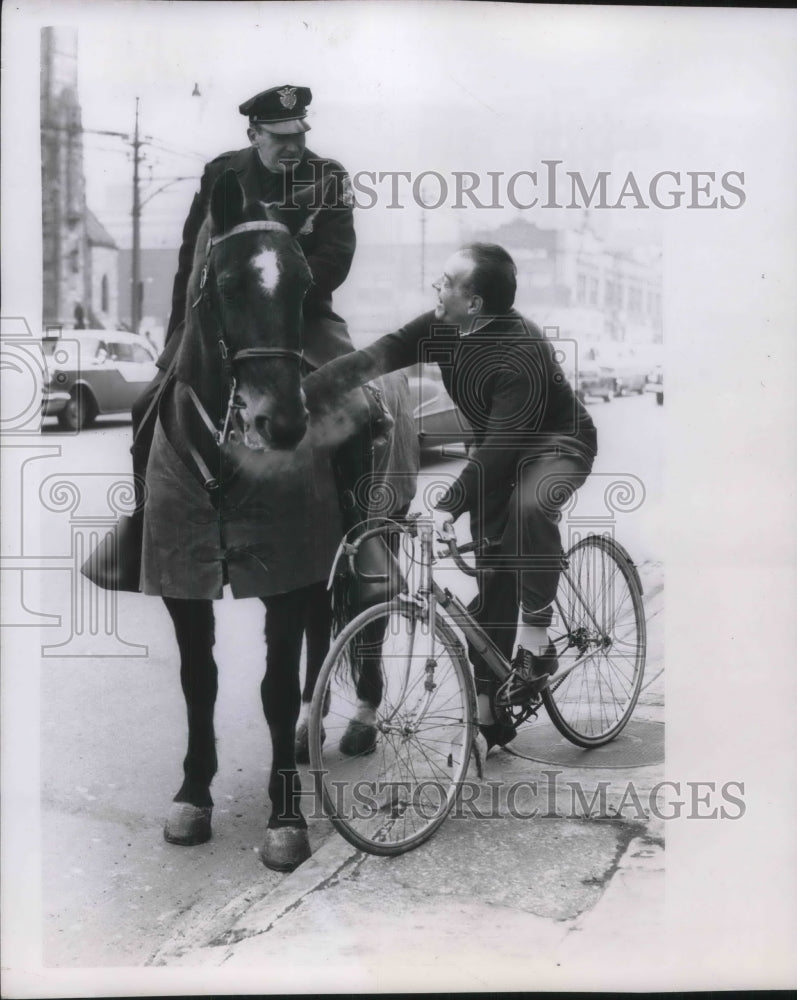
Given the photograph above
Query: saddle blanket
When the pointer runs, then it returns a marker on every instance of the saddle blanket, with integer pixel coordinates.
(276, 528)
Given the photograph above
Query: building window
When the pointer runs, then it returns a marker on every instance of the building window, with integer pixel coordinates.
(593, 291)
(104, 293)
(581, 289)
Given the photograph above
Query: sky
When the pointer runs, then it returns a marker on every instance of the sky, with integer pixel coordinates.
(408, 86)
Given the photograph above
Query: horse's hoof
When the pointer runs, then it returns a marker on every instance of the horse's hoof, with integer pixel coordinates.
(187, 825)
(285, 848)
(303, 743)
(359, 738)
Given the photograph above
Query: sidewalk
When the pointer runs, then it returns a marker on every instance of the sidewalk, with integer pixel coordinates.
(499, 904)
(555, 885)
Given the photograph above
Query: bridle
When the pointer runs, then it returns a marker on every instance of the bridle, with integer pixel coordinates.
(230, 358)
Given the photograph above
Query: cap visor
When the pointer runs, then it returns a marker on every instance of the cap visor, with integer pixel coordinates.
(292, 127)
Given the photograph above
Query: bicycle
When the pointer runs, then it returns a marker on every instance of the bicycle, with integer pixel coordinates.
(403, 664)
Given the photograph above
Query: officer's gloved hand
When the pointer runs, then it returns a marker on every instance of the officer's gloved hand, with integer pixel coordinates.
(380, 418)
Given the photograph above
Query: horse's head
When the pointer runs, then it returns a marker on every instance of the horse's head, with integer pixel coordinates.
(256, 277)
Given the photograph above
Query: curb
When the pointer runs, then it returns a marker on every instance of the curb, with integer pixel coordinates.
(247, 916)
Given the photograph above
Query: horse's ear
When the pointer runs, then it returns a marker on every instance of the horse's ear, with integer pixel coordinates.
(304, 204)
(226, 202)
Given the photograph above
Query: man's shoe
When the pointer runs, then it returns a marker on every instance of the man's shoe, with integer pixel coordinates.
(533, 671)
(498, 734)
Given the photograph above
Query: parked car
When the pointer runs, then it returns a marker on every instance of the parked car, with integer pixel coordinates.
(92, 372)
(437, 419)
(588, 378)
(628, 378)
(626, 366)
(593, 380)
(656, 384)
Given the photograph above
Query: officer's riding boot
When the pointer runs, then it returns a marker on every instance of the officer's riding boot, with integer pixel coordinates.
(143, 430)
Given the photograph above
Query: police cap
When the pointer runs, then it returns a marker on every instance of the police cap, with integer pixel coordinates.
(281, 110)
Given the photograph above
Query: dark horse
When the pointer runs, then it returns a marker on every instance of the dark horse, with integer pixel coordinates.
(240, 505)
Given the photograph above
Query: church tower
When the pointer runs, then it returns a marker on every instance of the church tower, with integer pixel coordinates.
(67, 293)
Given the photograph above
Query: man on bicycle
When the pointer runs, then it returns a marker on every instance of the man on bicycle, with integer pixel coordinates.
(533, 445)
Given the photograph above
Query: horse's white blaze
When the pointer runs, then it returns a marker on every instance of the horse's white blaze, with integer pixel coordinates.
(268, 268)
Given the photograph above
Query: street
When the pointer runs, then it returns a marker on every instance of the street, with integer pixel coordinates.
(113, 724)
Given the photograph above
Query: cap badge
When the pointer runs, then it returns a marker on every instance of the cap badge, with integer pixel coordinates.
(287, 97)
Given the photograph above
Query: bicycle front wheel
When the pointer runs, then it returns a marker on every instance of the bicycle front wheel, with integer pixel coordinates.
(600, 637)
(391, 727)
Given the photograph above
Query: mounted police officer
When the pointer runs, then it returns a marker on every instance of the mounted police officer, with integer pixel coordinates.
(275, 163)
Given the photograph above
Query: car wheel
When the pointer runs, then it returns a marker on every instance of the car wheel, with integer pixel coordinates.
(79, 412)
(660, 398)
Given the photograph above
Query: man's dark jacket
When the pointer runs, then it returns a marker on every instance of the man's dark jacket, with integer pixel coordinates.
(506, 381)
(328, 245)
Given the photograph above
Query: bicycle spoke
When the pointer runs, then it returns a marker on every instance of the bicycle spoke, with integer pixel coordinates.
(392, 797)
(600, 626)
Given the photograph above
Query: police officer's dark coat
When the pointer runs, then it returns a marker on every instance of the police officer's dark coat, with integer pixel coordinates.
(328, 245)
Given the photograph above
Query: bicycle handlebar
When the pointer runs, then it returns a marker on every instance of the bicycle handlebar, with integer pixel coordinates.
(455, 551)
(409, 525)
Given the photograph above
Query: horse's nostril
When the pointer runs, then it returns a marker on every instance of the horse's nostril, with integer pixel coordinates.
(263, 427)
(287, 432)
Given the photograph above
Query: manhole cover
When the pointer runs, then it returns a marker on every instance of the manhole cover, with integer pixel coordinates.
(640, 744)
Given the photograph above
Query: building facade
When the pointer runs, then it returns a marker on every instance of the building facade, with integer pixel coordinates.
(103, 274)
(576, 280)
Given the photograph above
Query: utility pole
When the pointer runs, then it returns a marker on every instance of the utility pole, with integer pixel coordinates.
(135, 298)
(136, 142)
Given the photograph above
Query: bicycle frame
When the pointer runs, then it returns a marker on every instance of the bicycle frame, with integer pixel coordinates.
(421, 691)
(430, 593)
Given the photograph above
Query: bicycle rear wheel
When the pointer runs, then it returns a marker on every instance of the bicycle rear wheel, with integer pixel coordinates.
(599, 631)
(398, 774)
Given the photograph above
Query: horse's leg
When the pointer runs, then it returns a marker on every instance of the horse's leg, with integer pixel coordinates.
(360, 735)
(188, 821)
(361, 732)
(286, 844)
(317, 631)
